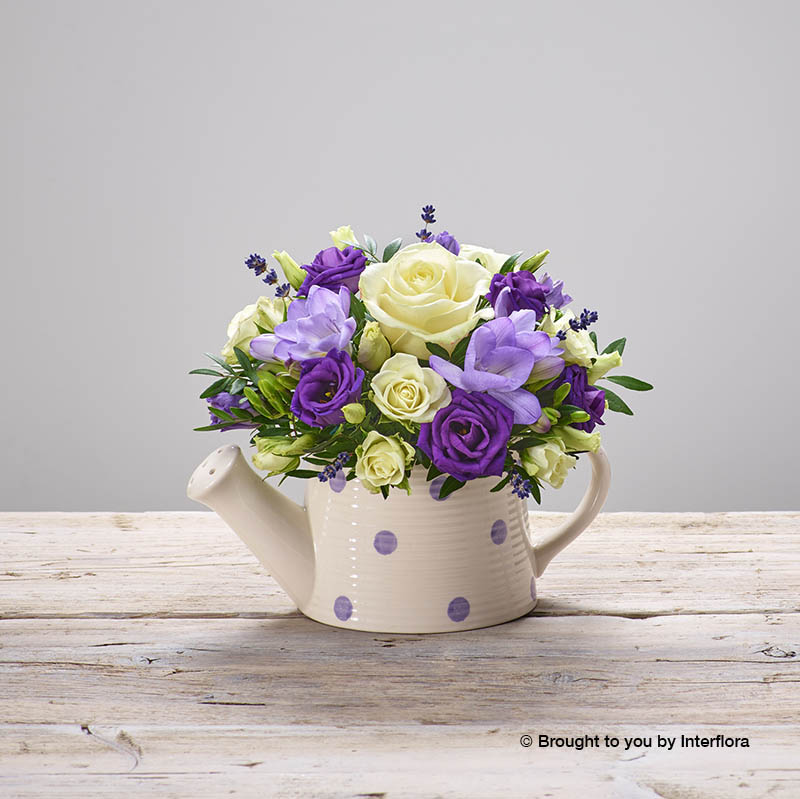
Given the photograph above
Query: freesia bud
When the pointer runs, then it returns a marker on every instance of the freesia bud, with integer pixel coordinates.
(294, 274)
(374, 348)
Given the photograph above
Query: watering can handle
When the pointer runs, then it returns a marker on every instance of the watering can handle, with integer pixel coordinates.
(547, 547)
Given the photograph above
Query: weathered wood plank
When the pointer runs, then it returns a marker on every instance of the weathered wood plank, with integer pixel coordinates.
(150, 653)
(453, 763)
(173, 564)
(295, 671)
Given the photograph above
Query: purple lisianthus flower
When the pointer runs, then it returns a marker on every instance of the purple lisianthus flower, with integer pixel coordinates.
(326, 385)
(503, 355)
(313, 327)
(333, 268)
(225, 401)
(583, 395)
(469, 437)
(448, 242)
(516, 291)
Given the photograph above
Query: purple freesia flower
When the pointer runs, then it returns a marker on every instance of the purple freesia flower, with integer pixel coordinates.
(554, 292)
(469, 437)
(225, 401)
(448, 242)
(503, 355)
(326, 385)
(516, 291)
(583, 395)
(333, 268)
(313, 327)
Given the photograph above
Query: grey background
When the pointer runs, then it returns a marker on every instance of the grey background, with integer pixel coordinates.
(147, 148)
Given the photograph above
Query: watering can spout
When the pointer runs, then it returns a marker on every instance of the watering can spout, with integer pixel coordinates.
(274, 528)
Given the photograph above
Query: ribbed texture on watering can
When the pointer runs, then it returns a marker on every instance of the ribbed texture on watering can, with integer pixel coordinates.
(417, 564)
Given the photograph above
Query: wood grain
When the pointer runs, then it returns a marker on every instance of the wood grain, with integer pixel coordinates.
(150, 653)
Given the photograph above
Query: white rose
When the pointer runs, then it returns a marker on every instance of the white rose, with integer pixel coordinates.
(406, 391)
(382, 461)
(422, 294)
(578, 346)
(266, 312)
(489, 258)
(548, 462)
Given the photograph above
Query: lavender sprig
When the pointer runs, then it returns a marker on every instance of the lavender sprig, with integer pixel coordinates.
(332, 469)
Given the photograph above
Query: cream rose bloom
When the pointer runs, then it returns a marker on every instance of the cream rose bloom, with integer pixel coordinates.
(578, 346)
(489, 258)
(382, 461)
(406, 391)
(266, 312)
(548, 462)
(424, 293)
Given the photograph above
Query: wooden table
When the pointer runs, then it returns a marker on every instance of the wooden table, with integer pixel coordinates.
(149, 654)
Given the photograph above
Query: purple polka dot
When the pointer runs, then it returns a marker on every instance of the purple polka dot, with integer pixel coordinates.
(499, 531)
(385, 542)
(343, 608)
(436, 487)
(338, 482)
(533, 588)
(458, 609)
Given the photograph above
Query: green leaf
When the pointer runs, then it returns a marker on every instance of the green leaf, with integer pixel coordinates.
(534, 262)
(238, 385)
(616, 403)
(357, 310)
(536, 492)
(220, 426)
(391, 248)
(630, 382)
(449, 485)
(565, 409)
(501, 485)
(241, 413)
(220, 414)
(618, 345)
(302, 473)
(435, 349)
(509, 263)
(244, 362)
(371, 245)
(385, 491)
(206, 372)
(215, 388)
(255, 400)
(221, 361)
(433, 473)
(593, 337)
(460, 351)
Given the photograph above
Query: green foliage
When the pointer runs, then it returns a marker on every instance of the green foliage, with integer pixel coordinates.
(631, 383)
(618, 345)
(501, 485)
(436, 349)
(510, 262)
(616, 403)
(391, 248)
(449, 486)
(215, 388)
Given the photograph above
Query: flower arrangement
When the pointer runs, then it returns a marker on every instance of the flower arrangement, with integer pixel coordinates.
(450, 356)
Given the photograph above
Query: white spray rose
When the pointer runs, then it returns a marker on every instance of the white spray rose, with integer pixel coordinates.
(406, 391)
(578, 440)
(382, 461)
(578, 346)
(548, 462)
(373, 349)
(343, 237)
(424, 293)
(603, 365)
(490, 259)
(266, 312)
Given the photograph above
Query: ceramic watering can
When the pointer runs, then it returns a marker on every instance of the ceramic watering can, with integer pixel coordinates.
(406, 564)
